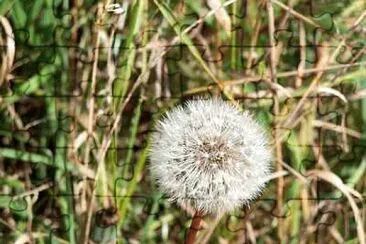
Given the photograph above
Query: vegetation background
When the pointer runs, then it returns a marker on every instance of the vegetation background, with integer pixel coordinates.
(83, 81)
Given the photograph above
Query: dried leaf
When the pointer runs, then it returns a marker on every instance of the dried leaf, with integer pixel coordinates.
(337, 182)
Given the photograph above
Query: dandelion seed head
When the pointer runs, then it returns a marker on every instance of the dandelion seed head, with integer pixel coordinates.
(210, 155)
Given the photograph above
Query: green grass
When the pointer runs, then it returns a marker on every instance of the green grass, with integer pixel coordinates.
(66, 80)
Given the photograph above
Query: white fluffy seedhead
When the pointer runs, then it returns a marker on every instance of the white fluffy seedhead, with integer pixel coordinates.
(210, 155)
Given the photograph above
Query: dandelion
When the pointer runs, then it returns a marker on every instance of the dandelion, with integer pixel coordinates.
(209, 155)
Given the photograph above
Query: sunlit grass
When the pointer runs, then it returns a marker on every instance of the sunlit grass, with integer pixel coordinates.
(81, 87)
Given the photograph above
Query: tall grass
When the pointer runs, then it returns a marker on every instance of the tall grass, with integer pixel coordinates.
(82, 83)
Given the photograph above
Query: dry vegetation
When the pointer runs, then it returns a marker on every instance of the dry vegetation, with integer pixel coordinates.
(83, 81)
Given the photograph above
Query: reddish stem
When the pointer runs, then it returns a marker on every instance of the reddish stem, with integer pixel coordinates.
(195, 227)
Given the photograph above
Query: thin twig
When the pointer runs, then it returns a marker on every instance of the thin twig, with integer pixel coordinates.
(260, 78)
(91, 115)
(288, 123)
(336, 128)
(359, 20)
(33, 191)
(253, 42)
(276, 110)
(302, 63)
(296, 14)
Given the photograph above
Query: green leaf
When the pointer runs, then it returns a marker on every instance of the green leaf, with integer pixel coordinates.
(6, 5)
(36, 158)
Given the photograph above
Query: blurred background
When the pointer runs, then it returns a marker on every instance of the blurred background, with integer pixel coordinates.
(83, 81)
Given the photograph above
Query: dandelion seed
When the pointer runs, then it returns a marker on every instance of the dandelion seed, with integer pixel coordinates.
(210, 155)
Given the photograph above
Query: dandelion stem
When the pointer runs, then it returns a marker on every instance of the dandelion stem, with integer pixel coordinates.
(195, 227)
